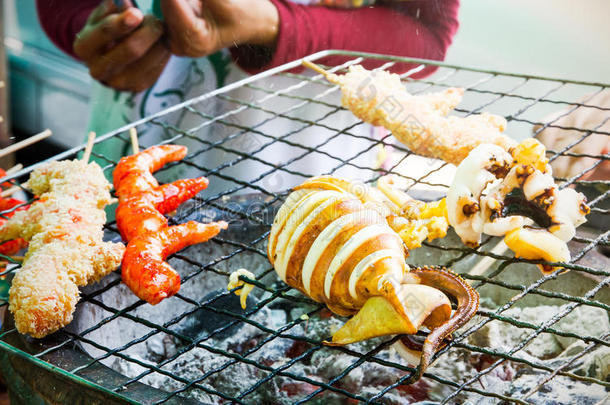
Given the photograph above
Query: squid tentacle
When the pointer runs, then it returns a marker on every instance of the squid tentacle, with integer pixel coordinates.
(467, 305)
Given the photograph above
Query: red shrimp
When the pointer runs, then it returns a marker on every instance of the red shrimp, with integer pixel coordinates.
(134, 173)
(144, 268)
(143, 212)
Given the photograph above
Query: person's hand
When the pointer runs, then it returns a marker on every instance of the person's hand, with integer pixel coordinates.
(198, 28)
(122, 48)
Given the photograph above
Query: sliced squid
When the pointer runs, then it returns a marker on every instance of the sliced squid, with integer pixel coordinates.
(514, 195)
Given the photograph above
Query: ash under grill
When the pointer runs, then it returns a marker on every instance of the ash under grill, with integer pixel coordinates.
(535, 339)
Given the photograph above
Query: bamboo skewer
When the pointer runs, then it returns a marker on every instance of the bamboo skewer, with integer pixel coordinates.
(133, 134)
(89, 147)
(319, 69)
(9, 191)
(14, 169)
(26, 142)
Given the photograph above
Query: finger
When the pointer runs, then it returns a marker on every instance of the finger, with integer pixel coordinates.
(129, 50)
(105, 8)
(178, 13)
(96, 38)
(143, 73)
(187, 33)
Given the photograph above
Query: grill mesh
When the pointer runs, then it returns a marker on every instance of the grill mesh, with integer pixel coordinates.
(522, 99)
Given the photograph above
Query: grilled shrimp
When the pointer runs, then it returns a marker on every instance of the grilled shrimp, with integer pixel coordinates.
(134, 173)
(145, 270)
(141, 221)
(333, 241)
(143, 212)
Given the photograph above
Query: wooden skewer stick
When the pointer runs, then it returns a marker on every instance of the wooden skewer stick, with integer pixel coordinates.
(14, 169)
(26, 142)
(135, 146)
(9, 191)
(89, 147)
(317, 68)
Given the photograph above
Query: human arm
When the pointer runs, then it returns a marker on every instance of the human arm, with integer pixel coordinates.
(421, 29)
(121, 46)
(278, 31)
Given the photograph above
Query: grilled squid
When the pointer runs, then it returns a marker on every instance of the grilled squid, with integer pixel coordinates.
(332, 240)
(513, 194)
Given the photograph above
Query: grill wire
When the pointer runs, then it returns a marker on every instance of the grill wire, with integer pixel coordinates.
(520, 98)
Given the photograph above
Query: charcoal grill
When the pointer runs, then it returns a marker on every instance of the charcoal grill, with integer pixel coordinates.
(535, 338)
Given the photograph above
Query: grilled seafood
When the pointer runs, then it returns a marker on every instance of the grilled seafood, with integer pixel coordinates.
(418, 121)
(246, 288)
(144, 211)
(134, 173)
(145, 270)
(64, 230)
(413, 220)
(140, 219)
(514, 195)
(332, 241)
(10, 247)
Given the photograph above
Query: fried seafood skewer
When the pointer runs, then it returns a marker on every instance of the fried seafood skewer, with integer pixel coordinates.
(514, 195)
(142, 223)
(418, 121)
(333, 242)
(66, 250)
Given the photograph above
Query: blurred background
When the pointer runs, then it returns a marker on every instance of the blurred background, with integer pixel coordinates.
(559, 38)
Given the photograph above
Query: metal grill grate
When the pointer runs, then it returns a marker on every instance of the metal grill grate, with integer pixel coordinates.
(522, 99)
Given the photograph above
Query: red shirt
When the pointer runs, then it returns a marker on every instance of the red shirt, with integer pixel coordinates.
(416, 28)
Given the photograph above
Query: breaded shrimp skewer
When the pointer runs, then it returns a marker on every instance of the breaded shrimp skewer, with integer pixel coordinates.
(418, 121)
(64, 230)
